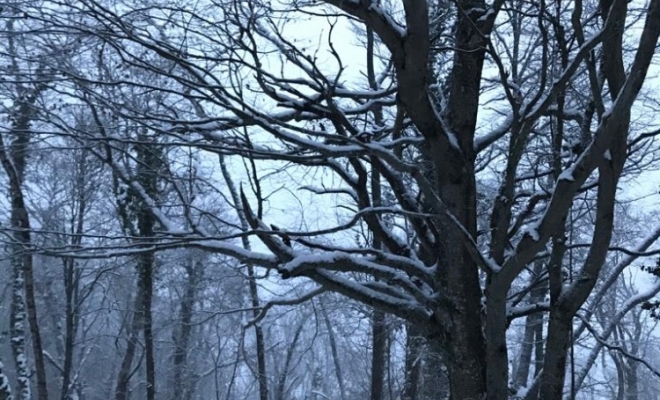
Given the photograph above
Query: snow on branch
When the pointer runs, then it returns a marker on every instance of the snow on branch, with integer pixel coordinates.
(406, 309)
(341, 262)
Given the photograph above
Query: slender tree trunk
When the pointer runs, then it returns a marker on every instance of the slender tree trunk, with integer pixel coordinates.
(532, 321)
(379, 344)
(70, 325)
(252, 284)
(149, 163)
(13, 156)
(526, 351)
(335, 353)
(71, 287)
(147, 262)
(37, 349)
(621, 377)
(124, 377)
(539, 351)
(24, 305)
(539, 355)
(51, 311)
(17, 323)
(280, 391)
(379, 330)
(631, 366)
(180, 379)
(413, 362)
(259, 336)
(632, 382)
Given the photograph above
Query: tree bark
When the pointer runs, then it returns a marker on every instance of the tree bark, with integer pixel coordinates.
(13, 159)
(413, 362)
(70, 323)
(180, 377)
(71, 284)
(457, 271)
(252, 286)
(146, 272)
(334, 352)
(521, 374)
(17, 329)
(148, 168)
(147, 176)
(378, 328)
(280, 391)
(13, 156)
(379, 342)
(125, 370)
(556, 353)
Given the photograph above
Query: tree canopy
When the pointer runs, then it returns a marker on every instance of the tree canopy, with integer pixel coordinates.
(457, 166)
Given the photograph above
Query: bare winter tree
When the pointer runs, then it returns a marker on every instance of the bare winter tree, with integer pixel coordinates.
(23, 90)
(468, 146)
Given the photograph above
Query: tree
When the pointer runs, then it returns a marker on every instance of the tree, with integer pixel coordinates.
(26, 87)
(457, 213)
(140, 223)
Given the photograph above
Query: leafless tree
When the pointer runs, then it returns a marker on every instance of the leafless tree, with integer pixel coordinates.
(465, 225)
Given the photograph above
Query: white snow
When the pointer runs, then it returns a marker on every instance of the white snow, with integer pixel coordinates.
(386, 16)
(484, 17)
(522, 392)
(566, 175)
(21, 360)
(452, 140)
(532, 231)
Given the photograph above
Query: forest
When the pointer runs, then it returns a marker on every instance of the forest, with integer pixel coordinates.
(329, 200)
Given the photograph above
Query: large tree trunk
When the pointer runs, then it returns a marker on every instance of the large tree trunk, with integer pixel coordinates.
(465, 346)
(457, 271)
